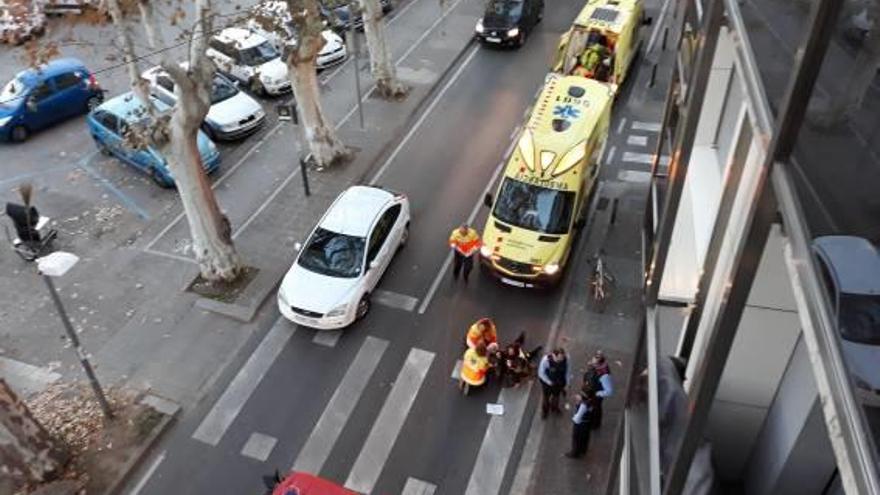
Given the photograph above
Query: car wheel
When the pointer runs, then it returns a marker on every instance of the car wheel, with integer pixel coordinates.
(522, 39)
(19, 133)
(256, 87)
(93, 102)
(404, 236)
(363, 307)
(104, 149)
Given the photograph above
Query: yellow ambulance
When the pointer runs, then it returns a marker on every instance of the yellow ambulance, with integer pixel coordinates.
(613, 25)
(550, 174)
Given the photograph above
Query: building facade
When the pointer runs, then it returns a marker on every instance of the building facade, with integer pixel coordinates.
(745, 366)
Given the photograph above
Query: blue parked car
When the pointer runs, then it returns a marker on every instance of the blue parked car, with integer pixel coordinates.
(37, 98)
(114, 118)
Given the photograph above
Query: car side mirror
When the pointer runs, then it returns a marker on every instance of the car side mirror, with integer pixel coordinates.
(487, 200)
(580, 223)
(297, 246)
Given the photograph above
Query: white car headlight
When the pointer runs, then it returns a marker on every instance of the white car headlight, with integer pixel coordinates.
(337, 311)
(479, 27)
(282, 299)
(551, 268)
(485, 250)
(5, 120)
(512, 33)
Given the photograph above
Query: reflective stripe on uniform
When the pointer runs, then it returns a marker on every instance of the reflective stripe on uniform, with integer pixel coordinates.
(467, 244)
(474, 368)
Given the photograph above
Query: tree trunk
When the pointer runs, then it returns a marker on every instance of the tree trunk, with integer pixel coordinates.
(28, 454)
(321, 139)
(381, 64)
(139, 86)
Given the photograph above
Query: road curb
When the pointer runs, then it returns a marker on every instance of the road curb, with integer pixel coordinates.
(169, 411)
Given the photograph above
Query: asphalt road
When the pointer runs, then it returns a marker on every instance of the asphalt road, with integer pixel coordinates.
(444, 167)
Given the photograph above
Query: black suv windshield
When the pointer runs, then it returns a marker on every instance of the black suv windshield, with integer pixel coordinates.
(258, 55)
(222, 90)
(504, 12)
(534, 207)
(860, 318)
(333, 254)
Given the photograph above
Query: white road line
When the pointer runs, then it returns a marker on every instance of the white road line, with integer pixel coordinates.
(658, 23)
(329, 426)
(424, 115)
(279, 124)
(415, 486)
(646, 126)
(491, 462)
(508, 150)
(327, 338)
(621, 125)
(221, 416)
(634, 176)
(265, 203)
(522, 480)
(259, 446)
(371, 460)
(637, 140)
(647, 158)
(26, 378)
(170, 256)
(143, 482)
(456, 370)
(611, 153)
(436, 283)
(395, 300)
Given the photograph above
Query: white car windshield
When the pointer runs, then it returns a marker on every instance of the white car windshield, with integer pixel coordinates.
(259, 54)
(333, 254)
(222, 90)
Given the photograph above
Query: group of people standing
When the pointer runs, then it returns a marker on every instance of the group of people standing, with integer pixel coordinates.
(596, 386)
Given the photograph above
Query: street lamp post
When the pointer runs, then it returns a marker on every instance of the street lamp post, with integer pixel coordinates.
(56, 265)
(289, 112)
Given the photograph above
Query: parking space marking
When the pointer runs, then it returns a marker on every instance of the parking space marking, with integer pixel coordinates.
(383, 435)
(327, 338)
(634, 176)
(646, 126)
(170, 256)
(611, 153)
(456, 370)
(225, 410)
(634, 140)
(646, 158)
(259, 446)
(415, 486)
(395, 300)
(335, 415)
(621, 125)
(126, 200)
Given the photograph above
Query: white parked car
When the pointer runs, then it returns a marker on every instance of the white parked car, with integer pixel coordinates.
(233, 114)
(272, 21)
(850, 268)
(339, 266)
(250, 59)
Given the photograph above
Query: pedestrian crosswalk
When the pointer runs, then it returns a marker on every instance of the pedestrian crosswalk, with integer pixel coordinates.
(365, 471)
(634, 151)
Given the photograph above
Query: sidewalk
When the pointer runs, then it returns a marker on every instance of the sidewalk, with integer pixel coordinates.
(128, 304)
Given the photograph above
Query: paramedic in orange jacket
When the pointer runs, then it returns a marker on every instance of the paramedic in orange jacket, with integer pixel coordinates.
(465, 243)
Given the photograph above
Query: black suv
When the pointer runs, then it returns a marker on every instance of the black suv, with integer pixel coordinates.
(508, 22)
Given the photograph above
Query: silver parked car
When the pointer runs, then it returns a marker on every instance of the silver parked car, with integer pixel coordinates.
(233, 114)
(850, 268)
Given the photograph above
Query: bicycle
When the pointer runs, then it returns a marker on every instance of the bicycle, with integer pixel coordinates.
(601, 281)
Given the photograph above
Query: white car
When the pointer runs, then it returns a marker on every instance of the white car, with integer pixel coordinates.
(250, 59)
(850, 268)
(330, 283)
(272, 21)
(233, 114)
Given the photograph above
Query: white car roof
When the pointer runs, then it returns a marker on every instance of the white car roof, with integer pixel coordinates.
(355, 210)
(240, 38)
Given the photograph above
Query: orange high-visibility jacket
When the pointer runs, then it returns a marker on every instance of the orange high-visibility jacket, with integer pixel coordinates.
(467, 244)
(474, 368)
(475, 336)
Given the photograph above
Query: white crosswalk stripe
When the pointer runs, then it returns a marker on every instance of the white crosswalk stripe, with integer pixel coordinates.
(317, 448)
(418, 487)
(646, 126)
(371, 460)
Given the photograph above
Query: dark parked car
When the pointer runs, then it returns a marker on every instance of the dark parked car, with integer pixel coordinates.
(509, 22)
(38, 98)
(337, 14)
